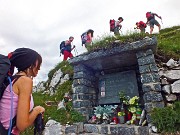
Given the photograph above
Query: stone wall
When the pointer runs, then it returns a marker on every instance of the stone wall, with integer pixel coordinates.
(84, 90)
(150, 81)
(170, 81)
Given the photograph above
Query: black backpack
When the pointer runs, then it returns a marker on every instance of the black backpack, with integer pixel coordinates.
(4, 68)
(62, 47)
(5, 65)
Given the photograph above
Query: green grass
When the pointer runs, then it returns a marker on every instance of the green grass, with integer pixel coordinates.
(168, 41)
(108, 41)
(167, 119)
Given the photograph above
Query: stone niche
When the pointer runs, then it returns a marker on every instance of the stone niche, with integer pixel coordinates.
(100, 75)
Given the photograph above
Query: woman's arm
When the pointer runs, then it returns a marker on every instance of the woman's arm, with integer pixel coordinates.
(24, 117)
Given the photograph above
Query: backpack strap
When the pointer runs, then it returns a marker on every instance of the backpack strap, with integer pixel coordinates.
(4, 131)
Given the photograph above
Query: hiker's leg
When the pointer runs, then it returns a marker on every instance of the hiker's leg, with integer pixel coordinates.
(151, 23)
(151, 30)
(66, 53)
(142, 30)
(116, 31)
(157, 24)
(70, 55)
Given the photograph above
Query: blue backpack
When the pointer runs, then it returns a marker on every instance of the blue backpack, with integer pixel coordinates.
(84, 38)
(62, 47)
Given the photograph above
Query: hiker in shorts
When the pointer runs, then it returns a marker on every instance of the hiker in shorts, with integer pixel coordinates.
(118, 26)
(141, 25)
(152, 21)
(68, 48)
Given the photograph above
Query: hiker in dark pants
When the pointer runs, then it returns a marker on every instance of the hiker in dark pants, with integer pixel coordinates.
(27, 62)
(151, 21)
(67, 50)
(141, 25)
(118, 26)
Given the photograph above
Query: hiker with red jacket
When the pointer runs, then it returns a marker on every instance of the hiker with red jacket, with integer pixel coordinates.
(141, 25)
(68, 48)
(118, 26)
(151, 21)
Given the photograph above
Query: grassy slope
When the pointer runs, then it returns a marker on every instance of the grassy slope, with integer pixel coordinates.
(169, 42)
(168, 47)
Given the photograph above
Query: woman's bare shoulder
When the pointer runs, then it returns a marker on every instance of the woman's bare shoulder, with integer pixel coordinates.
(23, 83)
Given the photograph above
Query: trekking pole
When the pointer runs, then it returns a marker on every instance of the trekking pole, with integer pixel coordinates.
(162, 23)
(75, 51)
(121, 31)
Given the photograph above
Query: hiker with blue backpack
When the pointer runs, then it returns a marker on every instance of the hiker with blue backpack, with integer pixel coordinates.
(17, 111)
(152, 21)
(87, 37)
(66, 48)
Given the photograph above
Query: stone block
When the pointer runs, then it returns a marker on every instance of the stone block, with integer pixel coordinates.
(176, 87)
(91, 128)
(156, 77)
(149, 52)
(166, 89)
(153, 68)
(171, 97)
(104, 129)
(83, 89)
(113, 130)
(146, 60)
(125, 131)
(71, 129)
(80, 126)
(147, 97)
(157, 87)
(79, 104)
(148, 107)
(146, 88)
(83, 81)
(156, 97)
(80, 67)
(86, 75)
(158, 104)
(143, 130)
(146, 78)
(144, 69)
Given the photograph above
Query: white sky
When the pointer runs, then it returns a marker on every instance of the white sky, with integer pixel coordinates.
(43, 24)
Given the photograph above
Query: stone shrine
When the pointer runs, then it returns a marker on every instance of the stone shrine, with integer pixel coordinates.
(100, 75)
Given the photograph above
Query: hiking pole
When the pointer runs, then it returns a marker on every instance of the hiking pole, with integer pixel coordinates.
(121, 31)
(75, 50)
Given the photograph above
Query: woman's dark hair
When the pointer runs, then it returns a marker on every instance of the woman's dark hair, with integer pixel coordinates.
(90, 31)
(120, 18)
(39, 59)
(23, 58)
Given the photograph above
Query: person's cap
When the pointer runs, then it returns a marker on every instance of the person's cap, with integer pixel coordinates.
(22, 58)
